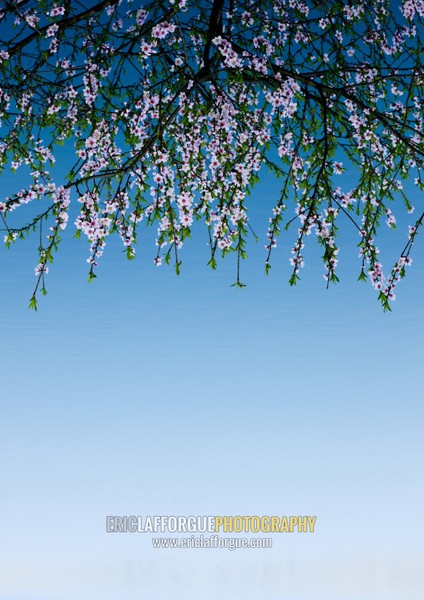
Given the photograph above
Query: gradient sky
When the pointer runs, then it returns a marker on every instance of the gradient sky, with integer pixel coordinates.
(145, 393)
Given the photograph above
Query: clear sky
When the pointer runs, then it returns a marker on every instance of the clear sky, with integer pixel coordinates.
(149, 394)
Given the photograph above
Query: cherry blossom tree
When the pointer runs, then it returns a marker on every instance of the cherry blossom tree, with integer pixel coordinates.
(172, 109)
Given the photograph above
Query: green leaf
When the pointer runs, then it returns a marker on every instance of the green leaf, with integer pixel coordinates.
(33, 303)
(293, 279)
(130, 253)
(212, 263)
(362, 276)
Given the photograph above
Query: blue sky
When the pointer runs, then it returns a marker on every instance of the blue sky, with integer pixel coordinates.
(146, 393)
